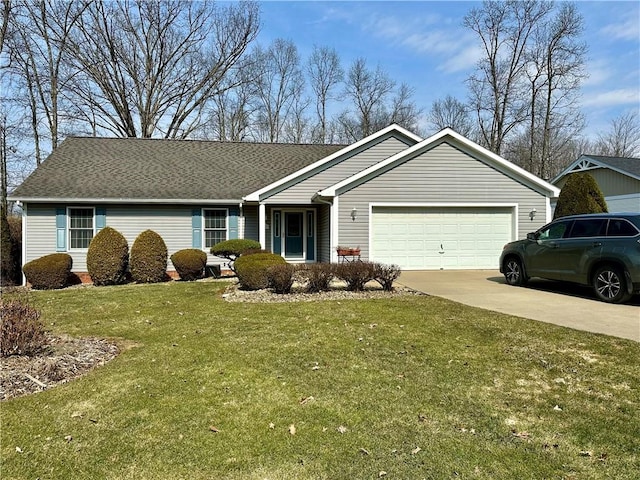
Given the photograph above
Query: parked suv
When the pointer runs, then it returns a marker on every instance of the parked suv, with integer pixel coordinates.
(601, 250)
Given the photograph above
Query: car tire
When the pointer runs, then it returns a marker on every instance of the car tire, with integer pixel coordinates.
(514, 272)
(610, 285)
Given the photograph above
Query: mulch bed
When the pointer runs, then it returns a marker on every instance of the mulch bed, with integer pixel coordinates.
(64, 359)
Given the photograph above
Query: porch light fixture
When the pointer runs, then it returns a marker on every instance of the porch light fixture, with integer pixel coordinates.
(532, 214)
(354, 213)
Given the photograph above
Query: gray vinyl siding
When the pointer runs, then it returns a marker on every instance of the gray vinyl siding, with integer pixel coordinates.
(324, 233)
(251, 228)
(333, 173)
(441, 175)
(610, 182)
(172, 223)
(40, 233)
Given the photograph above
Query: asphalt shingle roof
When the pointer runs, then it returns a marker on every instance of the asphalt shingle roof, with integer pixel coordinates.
(137, 169)
(624, 164)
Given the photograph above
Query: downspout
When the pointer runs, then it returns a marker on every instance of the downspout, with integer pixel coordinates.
(241, 219)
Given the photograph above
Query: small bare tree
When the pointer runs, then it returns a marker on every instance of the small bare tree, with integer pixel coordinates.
(451, 112)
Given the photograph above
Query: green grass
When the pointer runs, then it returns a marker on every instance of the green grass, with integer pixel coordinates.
(475, 391)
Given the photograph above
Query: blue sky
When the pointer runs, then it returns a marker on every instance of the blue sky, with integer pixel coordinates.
(425, 45)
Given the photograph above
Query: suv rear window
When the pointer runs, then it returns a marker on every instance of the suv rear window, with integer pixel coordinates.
(619, 227)
(592, 227)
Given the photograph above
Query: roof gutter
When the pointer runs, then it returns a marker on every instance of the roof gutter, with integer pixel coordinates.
(164, 201)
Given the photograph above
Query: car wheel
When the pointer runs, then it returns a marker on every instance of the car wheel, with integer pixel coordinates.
(610, 285)
(513, 272)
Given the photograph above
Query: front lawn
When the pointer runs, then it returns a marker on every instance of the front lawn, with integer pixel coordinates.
(405, 388)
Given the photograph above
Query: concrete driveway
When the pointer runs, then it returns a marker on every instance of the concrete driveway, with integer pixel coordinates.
(553, 302)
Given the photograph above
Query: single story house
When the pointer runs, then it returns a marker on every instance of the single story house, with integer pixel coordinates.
(443, 202)
(617, 177)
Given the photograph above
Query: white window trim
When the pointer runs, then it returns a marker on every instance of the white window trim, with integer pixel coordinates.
(68, 233)
(204, 237)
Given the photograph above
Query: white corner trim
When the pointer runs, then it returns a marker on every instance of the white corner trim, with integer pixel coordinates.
(255, 196)
(25, 235)
(262, 225)
(334, 214)
(428, 142)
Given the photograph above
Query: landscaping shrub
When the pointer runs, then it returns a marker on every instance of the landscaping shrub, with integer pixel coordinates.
(232, 249)
(189, 263)
(580, 194)
(281, 277)
(7, 259)
(385, 275)
(49, 272)
(21, 330)
(108, 257)
(356, 274)
(253, 270)
(148, 262)
(318, 276)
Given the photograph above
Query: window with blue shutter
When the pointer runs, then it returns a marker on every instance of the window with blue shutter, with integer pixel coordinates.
(101, 218)
(234, 212)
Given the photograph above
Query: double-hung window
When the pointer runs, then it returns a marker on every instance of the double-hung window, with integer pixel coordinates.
(215, 226)
(81, 227)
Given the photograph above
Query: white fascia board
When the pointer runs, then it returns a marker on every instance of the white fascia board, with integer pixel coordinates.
(255, 196)
(169, 201)
(428, 142)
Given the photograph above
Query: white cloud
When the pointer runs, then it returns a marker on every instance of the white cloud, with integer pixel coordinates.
(620, 96)
(599, 72)
(628, 29)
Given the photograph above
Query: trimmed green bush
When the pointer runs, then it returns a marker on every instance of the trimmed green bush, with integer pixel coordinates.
(49, 272)
(21, 330)
(253, 270)
(281, 277)
(232, 249)
(318, 276)
(385, 275)
(189, 263)
(108, 257)
(356, 274)
(148, 262)
(580, 194)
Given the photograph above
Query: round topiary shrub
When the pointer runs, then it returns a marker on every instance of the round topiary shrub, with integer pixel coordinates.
(49, 272)
(108, 257)
(232, 249)
(189, 263)
(148, 260)
(253, 270)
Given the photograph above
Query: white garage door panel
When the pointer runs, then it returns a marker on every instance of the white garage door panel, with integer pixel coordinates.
(440, 238)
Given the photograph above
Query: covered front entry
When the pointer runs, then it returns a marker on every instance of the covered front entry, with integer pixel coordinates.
(440, 238)
(294, 234)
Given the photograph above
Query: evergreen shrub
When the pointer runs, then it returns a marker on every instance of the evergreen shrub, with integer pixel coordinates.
(49, 272)
(253, 270)
(189, 263)
(108, 257)
(148, 261)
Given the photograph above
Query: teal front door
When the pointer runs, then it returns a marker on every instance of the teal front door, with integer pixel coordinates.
(293, 235)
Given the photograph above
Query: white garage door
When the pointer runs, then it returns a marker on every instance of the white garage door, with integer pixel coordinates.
(417, 238)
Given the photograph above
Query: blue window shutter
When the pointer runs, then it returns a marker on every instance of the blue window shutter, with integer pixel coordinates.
(233, 222)
(61, 229)
(196, 228)
(101, 218)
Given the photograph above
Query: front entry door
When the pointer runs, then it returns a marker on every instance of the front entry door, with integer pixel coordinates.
(293, 235)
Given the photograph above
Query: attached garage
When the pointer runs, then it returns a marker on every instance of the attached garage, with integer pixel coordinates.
(442, 237)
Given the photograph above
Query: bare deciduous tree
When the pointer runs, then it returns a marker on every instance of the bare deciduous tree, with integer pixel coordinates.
(279, 87)
(623, 137)
(451, 112)
(496, 95)
(149, 68)
(325, 73)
